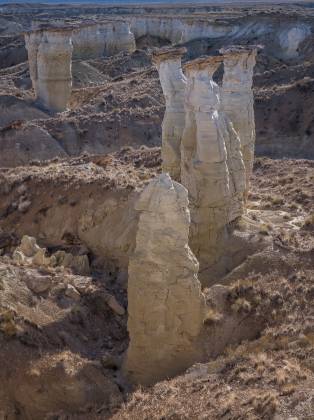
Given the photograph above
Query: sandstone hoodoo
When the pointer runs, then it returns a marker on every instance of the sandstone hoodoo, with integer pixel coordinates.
(173, 82)
(238, 99)
(204, 170)
(166, 306)
(50, 55)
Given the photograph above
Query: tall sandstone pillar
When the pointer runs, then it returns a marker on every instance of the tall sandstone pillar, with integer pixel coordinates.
(173, 83)
(204, 170)
(165, 303)
(32, 41)
(50, 55)
(238, 100)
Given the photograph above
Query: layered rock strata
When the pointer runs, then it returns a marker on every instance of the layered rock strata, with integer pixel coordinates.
(173, 83)
(238, 99)
(50, 55)
(166, 306)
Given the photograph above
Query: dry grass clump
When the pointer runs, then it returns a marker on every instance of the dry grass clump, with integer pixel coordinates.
(245, 296)
(309, 221)
(276, 200)
(212, 316)
(265, 405)
(265, 229)
(7, 323)
(241, 305)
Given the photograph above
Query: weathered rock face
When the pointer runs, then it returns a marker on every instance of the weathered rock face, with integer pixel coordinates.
(291, 37)
(32, 41)
(238, 100)
(50, 55)
(94, 40)
(204, 170)
(173, 82)
(166, 306)
(179, 30)
(121, 39)
(88, 42)
(54, 69)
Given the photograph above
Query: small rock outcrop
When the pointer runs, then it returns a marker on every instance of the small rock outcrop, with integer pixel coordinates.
(29, 252)
(166, 305)
(238, 99)
(50, 55)
(173, 83)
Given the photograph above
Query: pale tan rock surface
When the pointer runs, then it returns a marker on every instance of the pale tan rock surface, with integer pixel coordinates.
(120, 38)
(166, 306)
(178, 29)
(32, 41)
(93, 40)
(50, 56)
(29, 252)
(238, 100)
(204, 170)
(173, 83)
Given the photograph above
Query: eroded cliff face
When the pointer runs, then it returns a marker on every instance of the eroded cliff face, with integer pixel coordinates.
(291, 37)
(173, 83)
(101, 39)
(165, 303)
(178, 30)
(94, 39)
(287, 35)
(50, 55)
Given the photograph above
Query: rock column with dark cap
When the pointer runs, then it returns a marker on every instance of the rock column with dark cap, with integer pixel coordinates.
(238, 99)
(173, 82)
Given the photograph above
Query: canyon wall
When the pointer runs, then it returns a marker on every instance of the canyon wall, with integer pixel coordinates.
(93, 40)
(165, 304)
(173, 83)
(286, 36)
(178, 30)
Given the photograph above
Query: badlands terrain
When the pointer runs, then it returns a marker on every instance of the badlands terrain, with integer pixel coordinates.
(154, 263)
